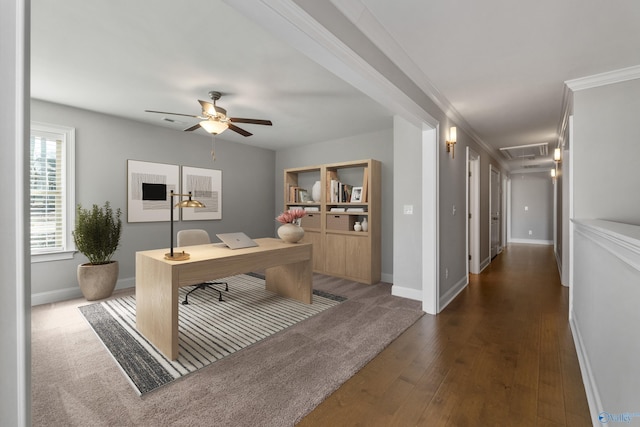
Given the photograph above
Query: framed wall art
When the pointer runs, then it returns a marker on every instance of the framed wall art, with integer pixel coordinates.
(206, 187)
(139, 173)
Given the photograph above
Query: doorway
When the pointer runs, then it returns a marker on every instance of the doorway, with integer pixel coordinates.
(495, 201)
(473, 211)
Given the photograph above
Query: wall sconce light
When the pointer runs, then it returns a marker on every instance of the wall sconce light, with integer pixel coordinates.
(557, 155)
(451, 141)
(553, 173)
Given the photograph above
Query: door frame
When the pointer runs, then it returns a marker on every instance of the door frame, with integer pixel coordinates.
(493, 169)
(473, 212)
(430, 220)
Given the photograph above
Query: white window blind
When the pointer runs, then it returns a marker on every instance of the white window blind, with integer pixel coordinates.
(52, 189)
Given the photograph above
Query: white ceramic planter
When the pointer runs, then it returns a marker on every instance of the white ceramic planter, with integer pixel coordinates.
(290, 233)
(98, 281)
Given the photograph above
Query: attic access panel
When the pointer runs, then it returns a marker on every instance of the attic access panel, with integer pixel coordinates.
(526, 152)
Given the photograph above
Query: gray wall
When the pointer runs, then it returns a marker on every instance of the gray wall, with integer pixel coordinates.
(534, 191)
(103, 146)
(407, 186)
(452, 189)
(606, 152)
(377, 145)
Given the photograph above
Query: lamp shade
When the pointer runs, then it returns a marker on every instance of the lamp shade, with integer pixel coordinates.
(213, 126)
(453, 134)
(189, 204)
(553, 173)
(557, 155)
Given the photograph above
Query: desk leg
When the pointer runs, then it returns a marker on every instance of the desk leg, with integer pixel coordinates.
(157, 304)
(291, 280)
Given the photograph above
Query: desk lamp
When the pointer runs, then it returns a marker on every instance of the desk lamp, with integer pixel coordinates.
(189, 203)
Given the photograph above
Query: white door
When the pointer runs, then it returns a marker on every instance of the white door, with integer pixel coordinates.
(473, 211)
(494, 211)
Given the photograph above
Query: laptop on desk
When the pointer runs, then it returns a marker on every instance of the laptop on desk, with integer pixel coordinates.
(236, 240)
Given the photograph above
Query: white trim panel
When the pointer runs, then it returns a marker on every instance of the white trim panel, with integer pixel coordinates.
(404, 292)
(72, 293)
(453, 292)
(532, 241)
(603, 79)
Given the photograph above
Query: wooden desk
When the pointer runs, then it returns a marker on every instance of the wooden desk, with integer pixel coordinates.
(287, 267)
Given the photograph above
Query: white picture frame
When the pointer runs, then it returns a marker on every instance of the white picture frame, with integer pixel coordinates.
(206, 187)
(139, 172)
(356, 195)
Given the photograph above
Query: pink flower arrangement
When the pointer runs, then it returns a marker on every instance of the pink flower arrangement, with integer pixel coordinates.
(292, 216)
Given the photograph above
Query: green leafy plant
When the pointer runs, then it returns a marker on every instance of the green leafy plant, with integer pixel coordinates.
(97, 232)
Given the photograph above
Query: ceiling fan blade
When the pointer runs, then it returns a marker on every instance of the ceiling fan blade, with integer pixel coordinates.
(251, 121)
(194, 127)
(208, 107)
(174, 114)
(239, 130)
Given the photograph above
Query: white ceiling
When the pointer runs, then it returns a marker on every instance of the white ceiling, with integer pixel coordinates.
(122, 57)
(500, 65)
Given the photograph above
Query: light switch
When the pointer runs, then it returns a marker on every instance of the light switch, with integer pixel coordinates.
(526, 208)
(408, 209)
(453, 210)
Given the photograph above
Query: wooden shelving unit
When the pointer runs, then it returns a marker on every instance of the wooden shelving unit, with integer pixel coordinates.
(338, 250)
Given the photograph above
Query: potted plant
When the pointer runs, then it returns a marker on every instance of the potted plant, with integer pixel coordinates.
(97, 236)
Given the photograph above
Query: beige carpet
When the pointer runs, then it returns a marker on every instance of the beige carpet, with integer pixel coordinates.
(273, 383)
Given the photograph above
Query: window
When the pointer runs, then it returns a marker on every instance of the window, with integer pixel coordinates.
(52, 191)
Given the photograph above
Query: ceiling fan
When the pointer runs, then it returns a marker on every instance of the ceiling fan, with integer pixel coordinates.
(214, 119)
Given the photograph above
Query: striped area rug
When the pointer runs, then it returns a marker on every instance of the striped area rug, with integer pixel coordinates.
(208, 329)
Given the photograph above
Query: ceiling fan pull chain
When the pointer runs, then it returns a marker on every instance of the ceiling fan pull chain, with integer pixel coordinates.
(213, 151)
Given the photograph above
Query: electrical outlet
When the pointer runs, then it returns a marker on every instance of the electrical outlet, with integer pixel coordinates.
(530, 233)
(408, 209)
(446, 273)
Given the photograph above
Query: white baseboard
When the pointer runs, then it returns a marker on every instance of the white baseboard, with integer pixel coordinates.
(410, 293)
(72, 293)
(485, 263)
(532, 241)
(386, 277)
(590, 386)
(452, 293)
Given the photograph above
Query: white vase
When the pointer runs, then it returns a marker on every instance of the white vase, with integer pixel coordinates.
(316, 191)
(357, 226)
(365, 225)
(290, 233)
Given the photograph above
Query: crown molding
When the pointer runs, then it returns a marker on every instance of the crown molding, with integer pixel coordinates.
(358, 13)
(603, 79)
(292, 23)
(567, 111)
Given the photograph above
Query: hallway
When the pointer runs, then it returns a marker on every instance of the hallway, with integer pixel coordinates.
(500, 354)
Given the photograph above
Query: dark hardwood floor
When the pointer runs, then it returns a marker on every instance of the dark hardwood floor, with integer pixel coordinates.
(500, 354)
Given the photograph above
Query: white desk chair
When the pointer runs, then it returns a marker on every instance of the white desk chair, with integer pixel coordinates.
(198, 237)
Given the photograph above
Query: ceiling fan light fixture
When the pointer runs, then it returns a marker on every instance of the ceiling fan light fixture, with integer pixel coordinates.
(214, 127)
(220, 112)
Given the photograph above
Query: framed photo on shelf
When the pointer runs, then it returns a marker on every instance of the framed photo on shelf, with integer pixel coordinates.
(206, 187)
(139, 173)
(356, 195)
(304, 196)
